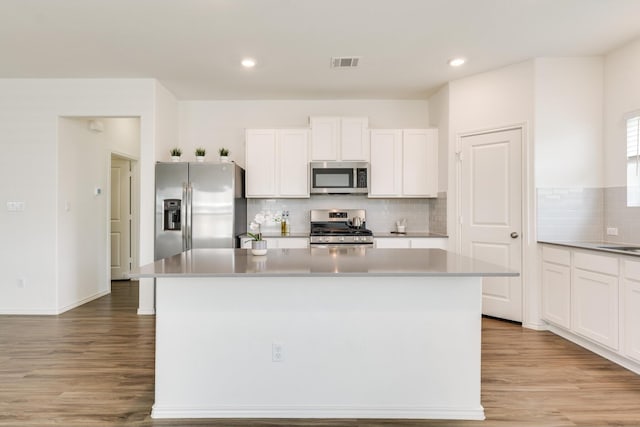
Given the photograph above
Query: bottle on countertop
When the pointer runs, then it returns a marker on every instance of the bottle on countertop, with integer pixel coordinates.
(284, 223)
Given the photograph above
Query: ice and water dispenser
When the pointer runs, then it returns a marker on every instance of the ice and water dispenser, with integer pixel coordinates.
(171, 214)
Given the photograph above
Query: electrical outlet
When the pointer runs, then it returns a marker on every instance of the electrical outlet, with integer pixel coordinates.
(612, 231)
(277, 354)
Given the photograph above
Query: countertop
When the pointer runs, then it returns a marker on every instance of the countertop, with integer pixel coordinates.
(278, 235)
(410, 234)
(320, 262)
(595, 246)
(375, 234)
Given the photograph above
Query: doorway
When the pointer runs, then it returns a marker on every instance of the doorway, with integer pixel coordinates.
(490, 225)
(121, 224)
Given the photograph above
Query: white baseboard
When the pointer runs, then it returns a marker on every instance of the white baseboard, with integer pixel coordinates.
(380, 412)
(597, 349)
(146, 311)
(49, 311)
(28, 312)
(83, 301)
(536, 326)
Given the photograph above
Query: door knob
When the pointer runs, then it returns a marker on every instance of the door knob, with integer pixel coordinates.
(514, 235)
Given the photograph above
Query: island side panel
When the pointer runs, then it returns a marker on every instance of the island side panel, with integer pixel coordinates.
(366, 347)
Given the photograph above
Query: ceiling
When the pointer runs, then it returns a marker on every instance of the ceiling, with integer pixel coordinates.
(194, 47)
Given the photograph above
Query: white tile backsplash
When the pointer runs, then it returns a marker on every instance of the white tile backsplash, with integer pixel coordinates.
(618, 215)
(584, 214)
(575, 214)
(382, 214)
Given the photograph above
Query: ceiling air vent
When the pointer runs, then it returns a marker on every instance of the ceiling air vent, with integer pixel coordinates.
(345, 62)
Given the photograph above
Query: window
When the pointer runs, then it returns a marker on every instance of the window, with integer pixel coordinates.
(633, 160)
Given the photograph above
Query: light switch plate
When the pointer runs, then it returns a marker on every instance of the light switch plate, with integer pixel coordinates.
(15, 206)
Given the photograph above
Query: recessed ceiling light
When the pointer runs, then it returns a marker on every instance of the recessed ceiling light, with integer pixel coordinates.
(456, 62)
(248, 62)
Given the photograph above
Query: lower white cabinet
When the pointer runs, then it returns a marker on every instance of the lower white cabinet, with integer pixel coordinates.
(593, 299)
(631, 309)
(556, 293)
(411, 242)
(594, 306)
(280, 242)
(392, 243)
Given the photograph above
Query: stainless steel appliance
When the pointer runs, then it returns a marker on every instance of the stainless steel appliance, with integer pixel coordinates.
(198, 205)
(339, 177)
(339, 228)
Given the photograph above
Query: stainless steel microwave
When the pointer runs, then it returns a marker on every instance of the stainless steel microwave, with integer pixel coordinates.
(339, 177)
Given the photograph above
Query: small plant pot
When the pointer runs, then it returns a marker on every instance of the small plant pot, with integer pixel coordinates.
(259, 247)
(200, 159)
(175, 158)
(224, 159)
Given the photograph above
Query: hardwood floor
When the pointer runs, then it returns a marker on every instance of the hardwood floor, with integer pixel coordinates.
(94, 366)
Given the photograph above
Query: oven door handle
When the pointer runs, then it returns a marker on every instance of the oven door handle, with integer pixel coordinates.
(340, 245)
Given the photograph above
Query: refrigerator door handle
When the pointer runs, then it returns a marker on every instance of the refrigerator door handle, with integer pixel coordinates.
(184, 219)
(190, 216)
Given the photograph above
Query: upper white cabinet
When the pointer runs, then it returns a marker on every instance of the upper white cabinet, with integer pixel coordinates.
(386, 163)
(277, 163)
(404, 163)
(339, 138)
(260, 154)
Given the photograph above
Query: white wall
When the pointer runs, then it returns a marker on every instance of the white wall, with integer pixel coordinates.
(215, 124)
(164, 125)
(29, 113)
(439, 117)
(82, 241)
(499, 98)
(622, 95)
(491, 100)
(568, 122)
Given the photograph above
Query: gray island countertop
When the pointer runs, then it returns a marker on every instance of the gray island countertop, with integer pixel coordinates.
(320, 262)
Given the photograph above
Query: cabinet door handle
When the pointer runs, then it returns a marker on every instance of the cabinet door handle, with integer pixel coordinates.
(514, 235)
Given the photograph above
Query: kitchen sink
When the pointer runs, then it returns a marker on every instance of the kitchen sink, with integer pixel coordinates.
(634, 249)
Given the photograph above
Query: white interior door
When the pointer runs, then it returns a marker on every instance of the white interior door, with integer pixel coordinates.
(491, 214)
(120, 218)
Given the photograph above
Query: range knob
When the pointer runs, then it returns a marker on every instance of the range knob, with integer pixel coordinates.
(342, 238)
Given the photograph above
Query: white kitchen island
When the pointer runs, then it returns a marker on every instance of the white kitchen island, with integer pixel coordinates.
(318, 333)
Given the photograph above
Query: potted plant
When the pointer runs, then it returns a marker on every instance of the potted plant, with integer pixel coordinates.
(175, 154)
(200, 153)
(258, 244)
(224, 155)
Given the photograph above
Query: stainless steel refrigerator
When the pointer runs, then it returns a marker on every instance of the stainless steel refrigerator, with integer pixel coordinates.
(198, 205)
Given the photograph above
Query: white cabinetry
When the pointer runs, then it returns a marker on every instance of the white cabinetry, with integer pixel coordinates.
(594, 298)
(386, 162)
(411, 242)
(404, 163)
(631, 309)
(339, 138)
(556, 286)
(277, 163)
(280, 243)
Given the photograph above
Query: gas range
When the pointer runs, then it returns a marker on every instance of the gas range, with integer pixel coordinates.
(339, 227)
